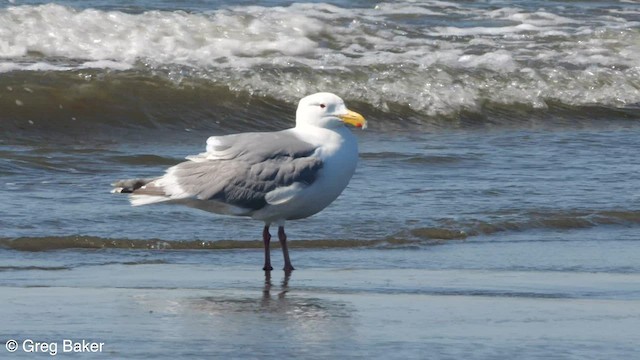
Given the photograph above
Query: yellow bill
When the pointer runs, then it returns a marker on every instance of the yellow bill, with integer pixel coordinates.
(354, 119)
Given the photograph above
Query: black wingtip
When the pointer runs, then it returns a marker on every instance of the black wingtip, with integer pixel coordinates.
(129, 186)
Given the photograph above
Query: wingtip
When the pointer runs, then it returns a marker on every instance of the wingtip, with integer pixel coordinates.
(128, 186)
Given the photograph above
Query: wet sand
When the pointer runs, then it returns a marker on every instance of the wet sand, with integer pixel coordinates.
(178, 310)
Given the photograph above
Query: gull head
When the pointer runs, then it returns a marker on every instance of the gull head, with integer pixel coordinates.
(326, 110)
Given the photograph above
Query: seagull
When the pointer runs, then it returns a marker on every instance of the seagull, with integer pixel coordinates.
(268, 176)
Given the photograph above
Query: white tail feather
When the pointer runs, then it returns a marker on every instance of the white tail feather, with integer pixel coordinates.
(139, 200)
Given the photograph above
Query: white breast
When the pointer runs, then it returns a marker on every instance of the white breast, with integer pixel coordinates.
(338, 150)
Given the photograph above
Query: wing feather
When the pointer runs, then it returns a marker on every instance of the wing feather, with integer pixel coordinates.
(244, 170)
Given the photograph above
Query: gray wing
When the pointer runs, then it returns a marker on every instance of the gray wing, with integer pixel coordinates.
(243, 169)
(256, 146)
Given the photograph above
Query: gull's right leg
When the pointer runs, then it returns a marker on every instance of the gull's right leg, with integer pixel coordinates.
(266, 238)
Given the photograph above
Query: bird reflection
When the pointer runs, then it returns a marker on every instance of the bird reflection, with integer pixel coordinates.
(274, 299)
(272, 306)
(268, 285)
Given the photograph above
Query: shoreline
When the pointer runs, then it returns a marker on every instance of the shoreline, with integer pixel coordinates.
(169, 310)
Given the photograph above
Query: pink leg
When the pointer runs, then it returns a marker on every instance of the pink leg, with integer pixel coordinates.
(266, 238)
(285, 250)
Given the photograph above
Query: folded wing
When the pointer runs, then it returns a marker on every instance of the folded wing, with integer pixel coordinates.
(245, 171)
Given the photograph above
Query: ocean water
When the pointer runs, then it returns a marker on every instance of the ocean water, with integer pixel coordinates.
(494, 213)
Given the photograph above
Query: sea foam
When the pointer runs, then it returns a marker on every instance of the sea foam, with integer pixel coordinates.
(391, 53)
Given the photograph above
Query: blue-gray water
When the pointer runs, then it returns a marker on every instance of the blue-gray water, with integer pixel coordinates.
(494, 213)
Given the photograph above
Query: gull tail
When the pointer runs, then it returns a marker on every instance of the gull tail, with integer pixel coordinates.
(129, 186)
(141, 191)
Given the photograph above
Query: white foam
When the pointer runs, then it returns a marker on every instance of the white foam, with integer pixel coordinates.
(405, 9)
(106, 64)
(511, 55)
(43, 66)
(473, 31)
(499, 61)
(38, 66)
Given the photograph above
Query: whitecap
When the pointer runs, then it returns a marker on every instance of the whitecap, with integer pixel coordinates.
(392, 53)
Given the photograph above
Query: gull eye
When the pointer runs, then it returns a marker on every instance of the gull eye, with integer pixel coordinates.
(322, 106)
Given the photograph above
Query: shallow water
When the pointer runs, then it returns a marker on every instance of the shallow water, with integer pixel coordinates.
(163, 304)
(494, 213)
(423, 186)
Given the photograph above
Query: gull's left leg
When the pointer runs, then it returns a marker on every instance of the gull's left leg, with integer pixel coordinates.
(285, 250)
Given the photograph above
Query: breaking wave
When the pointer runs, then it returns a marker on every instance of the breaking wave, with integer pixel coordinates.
(395, 58)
